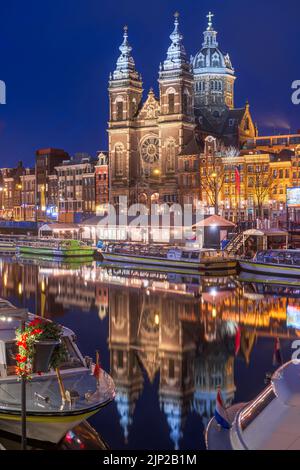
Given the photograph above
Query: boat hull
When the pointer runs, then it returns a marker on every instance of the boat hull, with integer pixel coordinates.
(174, 265)
(57, 253)
(44, 428)
(274, 269)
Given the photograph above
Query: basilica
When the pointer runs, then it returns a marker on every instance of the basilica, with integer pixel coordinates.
(156, 144)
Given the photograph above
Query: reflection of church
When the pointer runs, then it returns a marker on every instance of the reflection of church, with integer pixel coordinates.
(155, 145)
(146, 334)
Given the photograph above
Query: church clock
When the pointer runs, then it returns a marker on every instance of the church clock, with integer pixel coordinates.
(149, 150)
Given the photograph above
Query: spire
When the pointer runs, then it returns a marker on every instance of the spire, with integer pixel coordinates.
(210, 35)
(176, 55)
(125, 64)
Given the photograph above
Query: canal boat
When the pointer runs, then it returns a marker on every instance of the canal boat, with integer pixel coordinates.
(166, 258)
(269, 422)
(49, 417)
(56, 248)
(275, 262)
(7, 246)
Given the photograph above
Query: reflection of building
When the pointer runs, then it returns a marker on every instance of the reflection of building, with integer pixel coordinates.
(213, 368)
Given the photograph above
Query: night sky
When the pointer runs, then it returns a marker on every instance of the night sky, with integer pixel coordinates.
(56, 56)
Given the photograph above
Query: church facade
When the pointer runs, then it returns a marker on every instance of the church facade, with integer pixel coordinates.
(155, 145)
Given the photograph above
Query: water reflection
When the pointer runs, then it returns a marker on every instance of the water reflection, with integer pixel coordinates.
(176, 333)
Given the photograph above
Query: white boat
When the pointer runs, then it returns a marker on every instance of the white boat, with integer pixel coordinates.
(276, 262)
(269, 422)
(167, 258)
(48, 417)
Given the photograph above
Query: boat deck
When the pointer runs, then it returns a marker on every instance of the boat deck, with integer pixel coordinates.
(217, 438)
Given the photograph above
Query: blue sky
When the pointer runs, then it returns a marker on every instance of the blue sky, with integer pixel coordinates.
(56, 56)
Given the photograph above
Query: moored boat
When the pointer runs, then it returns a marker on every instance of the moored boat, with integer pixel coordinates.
(275, 262)
(56, 248)
(166, 257)
(269, 422)
(48, 416)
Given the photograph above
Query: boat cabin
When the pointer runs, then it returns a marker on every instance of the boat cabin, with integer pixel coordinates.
(288, 257)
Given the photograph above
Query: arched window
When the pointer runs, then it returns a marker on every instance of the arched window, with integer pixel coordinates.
(119, 109)
(170, 160)
(133, 107)
(171, 100)
(119, 164)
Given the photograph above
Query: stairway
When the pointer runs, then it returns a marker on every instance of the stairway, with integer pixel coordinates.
(235, 244)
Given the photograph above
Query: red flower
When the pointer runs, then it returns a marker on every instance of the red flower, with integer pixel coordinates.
(20, 358)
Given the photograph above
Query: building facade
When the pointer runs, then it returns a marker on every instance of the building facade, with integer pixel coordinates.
(46, 161)
(76, 188)
(149, 141)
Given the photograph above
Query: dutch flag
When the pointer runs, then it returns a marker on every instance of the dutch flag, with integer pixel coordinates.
(220, 412)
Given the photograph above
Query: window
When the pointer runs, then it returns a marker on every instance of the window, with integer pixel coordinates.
(171, 103)
(120, 111)
(231, 122)
(280, 173)
(170, 164)
(119, 160)
(185, 103)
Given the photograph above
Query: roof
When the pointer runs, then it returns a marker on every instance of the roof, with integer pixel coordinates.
(214, 221)
(192, 147)
(59, 226)
(261, 233)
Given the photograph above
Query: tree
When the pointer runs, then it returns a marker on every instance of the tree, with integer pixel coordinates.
(263, 184)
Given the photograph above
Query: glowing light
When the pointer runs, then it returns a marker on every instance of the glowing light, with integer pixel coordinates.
(156, 319)
(214, 312)
(20, 288)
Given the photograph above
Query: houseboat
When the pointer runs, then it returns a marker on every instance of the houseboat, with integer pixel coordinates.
(166, 258)
(56, 248)
(48, 416)
(275, 262)
(269, 422)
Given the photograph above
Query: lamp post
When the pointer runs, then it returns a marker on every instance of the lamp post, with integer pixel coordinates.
(21, 315)
(215, 188)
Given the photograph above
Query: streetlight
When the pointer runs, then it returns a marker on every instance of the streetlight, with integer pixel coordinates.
(214, 176)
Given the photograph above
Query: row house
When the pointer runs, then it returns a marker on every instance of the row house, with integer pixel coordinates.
(76, 188)
(27, 210)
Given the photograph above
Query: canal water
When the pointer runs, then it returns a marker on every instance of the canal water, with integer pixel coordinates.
(167, 340)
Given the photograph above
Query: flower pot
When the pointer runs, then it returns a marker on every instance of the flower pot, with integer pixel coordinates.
(42, 354)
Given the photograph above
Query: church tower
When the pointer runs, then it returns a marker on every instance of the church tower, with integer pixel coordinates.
(176, 119)
(214, 79)
(125, 94)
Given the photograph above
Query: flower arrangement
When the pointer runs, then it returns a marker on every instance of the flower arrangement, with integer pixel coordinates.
(38, 330)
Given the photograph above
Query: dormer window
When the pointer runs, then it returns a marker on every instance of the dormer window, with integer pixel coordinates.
(215, 60)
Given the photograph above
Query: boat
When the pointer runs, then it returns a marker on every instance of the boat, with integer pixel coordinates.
(276, 262)
(7, 245)
(54, 247)
(48, 416)
(165, 257)
(269, 422)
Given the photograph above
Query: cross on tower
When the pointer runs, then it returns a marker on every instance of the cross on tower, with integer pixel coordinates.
(210, 17)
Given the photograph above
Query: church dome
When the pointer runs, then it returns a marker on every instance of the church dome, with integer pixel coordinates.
(210, 59)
